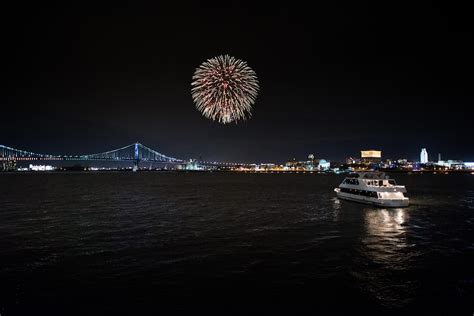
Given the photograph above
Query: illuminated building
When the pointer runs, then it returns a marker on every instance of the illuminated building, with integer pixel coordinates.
(265, 167)
(310, 165)
(423, 156)
(41, 168)
(323, 164)
(296, 165)
(350, 161)
(371, 156)
(8, 165)
(451, 164)
(192, 164)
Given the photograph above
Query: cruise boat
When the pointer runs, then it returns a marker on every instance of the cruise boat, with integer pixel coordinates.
(372, 188)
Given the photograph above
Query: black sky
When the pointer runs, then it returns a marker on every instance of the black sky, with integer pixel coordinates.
(334, 79)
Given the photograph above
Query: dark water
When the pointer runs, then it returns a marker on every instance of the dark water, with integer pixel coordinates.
(210, 243)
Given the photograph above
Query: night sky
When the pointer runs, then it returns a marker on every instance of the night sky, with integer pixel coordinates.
(334, 79)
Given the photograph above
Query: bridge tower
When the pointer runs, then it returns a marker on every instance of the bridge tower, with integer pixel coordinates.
(136, 162)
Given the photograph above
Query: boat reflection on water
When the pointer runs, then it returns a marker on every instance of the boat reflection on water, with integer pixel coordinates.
(386, 256)
(385, 222)
(385, 241)
(336, 208)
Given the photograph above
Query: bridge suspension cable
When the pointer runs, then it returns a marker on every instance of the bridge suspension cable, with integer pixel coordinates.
(132, 152)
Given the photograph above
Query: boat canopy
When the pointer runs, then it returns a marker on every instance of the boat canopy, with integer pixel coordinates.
(368, 175)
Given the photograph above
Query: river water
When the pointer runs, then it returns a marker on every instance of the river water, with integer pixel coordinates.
(229, 243)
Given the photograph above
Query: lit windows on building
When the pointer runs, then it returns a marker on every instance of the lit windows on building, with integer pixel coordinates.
(423, 156)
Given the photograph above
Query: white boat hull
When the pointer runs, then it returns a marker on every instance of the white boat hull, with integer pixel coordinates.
(373, 201)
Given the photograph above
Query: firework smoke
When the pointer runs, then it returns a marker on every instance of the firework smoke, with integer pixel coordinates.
(224, 89)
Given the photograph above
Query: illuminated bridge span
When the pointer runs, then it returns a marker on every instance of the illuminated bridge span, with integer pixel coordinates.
(134, 152)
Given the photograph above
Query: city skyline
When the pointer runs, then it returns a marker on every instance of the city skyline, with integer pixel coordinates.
(331, 83)
(9, 153)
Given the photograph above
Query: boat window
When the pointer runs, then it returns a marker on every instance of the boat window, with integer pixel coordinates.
(360, 192)
(351, 181)
(392, 182)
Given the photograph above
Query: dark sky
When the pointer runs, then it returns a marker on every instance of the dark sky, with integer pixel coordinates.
(334, 79)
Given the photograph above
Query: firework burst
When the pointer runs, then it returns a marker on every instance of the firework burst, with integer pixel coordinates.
(224, 89)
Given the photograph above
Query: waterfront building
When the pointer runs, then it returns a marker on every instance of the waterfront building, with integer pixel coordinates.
(309, 165)
(265, 167)
(351, 161)
(192, 164)
(41, 167)
(423, 156)
(371, 156)
(8, 165)
(451, 164)
(323, 164)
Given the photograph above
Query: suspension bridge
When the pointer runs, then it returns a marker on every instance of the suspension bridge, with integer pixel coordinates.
(135, 153)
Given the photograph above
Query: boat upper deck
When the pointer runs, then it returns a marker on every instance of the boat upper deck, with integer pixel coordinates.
(375, 181)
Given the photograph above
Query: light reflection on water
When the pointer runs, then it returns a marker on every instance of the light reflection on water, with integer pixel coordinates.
(198, 235)
(336, 208)
(386, 253)
(386, 236)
